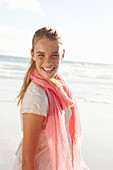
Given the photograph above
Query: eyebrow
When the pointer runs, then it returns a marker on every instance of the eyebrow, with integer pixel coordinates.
(39, 52)
(55, 52)
(44, 52)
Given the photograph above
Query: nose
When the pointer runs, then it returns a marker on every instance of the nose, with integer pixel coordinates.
(48, 60)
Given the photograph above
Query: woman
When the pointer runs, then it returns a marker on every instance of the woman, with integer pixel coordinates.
(50, 121)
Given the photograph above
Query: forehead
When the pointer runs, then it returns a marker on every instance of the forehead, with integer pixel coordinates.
(46, 44)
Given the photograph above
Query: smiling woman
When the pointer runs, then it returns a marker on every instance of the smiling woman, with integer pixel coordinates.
(47, 57)
(49, 115)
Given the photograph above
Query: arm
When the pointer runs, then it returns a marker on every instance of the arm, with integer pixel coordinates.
(32, 124)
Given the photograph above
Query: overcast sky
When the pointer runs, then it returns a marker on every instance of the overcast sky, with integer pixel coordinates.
(86, 27)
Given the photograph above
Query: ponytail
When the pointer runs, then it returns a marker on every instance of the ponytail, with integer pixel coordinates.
(26, 82)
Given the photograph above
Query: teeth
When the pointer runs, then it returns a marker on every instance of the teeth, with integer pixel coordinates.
(48, 69)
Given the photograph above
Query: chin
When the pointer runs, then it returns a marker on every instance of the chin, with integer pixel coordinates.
(48, 77)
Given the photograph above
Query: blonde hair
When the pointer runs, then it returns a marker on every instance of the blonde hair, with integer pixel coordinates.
(39, 34)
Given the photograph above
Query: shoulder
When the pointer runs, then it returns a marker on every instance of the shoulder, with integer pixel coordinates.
(35, 90)
(35, 100)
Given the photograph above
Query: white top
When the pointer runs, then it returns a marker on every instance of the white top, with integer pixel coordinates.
(35, 101)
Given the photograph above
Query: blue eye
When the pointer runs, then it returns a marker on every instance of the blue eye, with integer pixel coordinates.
(41, 55)
(55, 55)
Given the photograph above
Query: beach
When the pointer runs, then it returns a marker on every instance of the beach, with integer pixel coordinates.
(97, 127)
(95, 109)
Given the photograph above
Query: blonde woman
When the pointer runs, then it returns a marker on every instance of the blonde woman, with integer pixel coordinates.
(50, 120)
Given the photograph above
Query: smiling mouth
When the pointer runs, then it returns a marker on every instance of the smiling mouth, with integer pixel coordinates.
(48, 70)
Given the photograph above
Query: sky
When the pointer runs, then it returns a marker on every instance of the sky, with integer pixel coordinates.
(86, 27)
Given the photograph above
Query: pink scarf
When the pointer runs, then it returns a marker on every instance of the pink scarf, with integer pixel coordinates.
(61, 98)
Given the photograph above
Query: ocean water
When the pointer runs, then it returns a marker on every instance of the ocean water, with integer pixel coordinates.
(89, 81)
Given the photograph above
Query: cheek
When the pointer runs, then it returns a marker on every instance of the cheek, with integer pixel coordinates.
(38, 61)
(57, 61)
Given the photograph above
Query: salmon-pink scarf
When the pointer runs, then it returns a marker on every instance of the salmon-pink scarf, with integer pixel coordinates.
(59, 99)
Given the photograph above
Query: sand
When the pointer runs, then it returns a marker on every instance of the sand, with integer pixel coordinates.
(97, 127)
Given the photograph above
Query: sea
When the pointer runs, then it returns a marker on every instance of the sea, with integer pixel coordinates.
(90, 82)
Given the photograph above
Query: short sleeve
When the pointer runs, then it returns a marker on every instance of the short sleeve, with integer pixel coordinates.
(35, 100)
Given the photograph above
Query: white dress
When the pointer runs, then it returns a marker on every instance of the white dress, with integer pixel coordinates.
(35, 101)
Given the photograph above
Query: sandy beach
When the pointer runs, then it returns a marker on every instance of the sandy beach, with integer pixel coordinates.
(97, 130)
(97, 127)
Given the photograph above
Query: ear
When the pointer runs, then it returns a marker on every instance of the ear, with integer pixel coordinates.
(63, 54)
(32, 55)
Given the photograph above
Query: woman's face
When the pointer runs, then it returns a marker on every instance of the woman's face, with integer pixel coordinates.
(47, 56)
